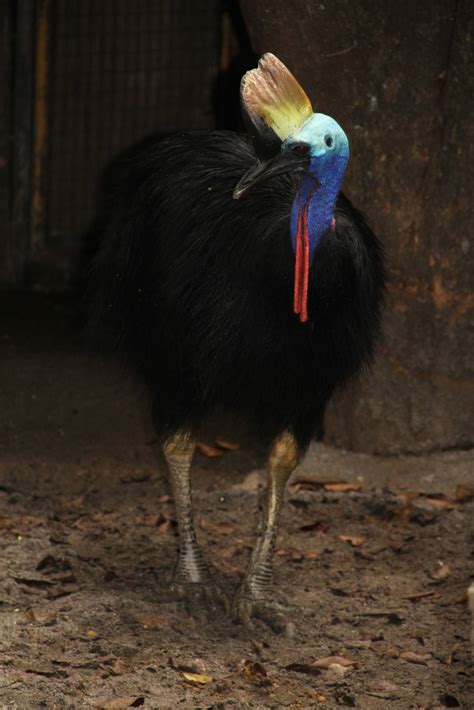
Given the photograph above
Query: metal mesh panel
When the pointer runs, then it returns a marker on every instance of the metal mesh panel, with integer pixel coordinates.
(119, 71)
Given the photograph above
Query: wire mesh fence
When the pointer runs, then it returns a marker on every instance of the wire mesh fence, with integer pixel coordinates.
(119, 71)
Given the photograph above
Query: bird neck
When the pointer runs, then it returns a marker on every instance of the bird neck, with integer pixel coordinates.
(312, 215)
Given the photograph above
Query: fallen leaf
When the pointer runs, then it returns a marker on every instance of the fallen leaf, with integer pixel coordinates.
(417, 595)
(196, 678)
(164, 527)
(129, 701)
(354, 540)
(164, 499)
(211, 452)
(255, 671)
(317, 526)
(91, 634)
(413, 657)
(227, 445)
(306, 484)
(441, 573)
(311, 555)
(152, 622)
(464, 493)
(342, 487)
(225, 528)
(444, 502)
(331, 660)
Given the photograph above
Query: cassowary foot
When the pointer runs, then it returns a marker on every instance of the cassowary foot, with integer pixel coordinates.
(202, 600)
(274, 614)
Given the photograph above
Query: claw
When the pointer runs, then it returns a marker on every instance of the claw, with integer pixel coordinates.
(272, 613)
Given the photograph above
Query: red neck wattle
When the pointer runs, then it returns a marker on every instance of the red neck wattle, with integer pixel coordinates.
(300, 295)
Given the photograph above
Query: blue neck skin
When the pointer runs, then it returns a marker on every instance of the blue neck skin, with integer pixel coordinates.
(319, 188)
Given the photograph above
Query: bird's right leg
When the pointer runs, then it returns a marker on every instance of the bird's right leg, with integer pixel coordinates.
(192, 579)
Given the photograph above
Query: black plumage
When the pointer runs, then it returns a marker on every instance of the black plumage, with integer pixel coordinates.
(195, 289)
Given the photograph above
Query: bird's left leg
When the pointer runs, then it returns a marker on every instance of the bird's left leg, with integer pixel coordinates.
(192, 579)
(254, 597)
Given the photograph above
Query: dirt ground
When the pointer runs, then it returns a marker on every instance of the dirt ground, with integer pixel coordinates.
(376, 571)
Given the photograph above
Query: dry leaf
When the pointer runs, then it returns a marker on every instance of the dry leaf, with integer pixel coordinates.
(417, 595)
(354, 540)
(209, 451)
(225, 528)
(444, 502)
(317, 526)
(331, 660)
(441, 573)
(311, 555)
(164, 527)
(464, 493)
(306, 484)
(227, 445)
(342, 487)
(152, 622)
(413, 657)
(129, 701)
(91, 634)
(254, 671)
(164, 499)
(196, 678)
(461, 598)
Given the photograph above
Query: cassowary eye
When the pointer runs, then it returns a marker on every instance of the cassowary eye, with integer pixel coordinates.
(301, 149)
(329, 140)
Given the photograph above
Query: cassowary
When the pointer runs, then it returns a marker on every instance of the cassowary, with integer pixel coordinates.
(235, 273)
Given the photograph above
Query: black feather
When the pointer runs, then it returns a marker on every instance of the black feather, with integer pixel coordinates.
(196, 290)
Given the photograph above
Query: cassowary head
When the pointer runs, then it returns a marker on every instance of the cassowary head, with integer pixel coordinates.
(286, 134)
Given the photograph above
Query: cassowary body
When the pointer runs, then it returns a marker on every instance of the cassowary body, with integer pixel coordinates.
(197, 290)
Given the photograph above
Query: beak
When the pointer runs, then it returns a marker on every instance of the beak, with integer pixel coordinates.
(266, 169)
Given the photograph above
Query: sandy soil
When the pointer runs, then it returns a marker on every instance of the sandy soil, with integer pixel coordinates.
(376, 571)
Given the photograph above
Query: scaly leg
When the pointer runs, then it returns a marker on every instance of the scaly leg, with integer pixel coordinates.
(192, 580)
(253, 598)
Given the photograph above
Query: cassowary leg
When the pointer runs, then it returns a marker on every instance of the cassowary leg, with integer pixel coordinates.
(192, 580)
(254, 595)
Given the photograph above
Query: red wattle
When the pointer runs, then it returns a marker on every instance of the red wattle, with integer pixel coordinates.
(300, 298)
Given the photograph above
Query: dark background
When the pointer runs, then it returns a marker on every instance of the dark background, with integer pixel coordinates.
(81, 81)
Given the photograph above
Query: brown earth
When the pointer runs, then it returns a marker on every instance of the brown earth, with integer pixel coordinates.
(89, 542)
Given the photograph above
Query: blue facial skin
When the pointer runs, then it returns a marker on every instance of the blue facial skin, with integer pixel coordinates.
(329, 153)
